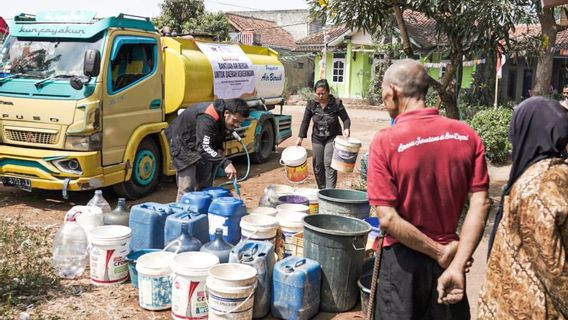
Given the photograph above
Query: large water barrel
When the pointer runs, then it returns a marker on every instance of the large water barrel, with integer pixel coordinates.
(338, 244)
(344, 202)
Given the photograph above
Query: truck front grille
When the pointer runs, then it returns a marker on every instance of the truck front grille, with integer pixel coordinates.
(31, 136)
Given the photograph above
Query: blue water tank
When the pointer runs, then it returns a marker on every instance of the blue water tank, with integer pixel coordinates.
(296, 283)
(226, 213)
(198, 223)
(217, 192)
(259, 255)
(200, 200)
(147, 221)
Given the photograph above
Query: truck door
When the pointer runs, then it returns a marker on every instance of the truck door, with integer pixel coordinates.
(133, 92)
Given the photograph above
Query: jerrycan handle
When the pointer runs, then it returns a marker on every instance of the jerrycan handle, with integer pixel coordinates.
(299, 263)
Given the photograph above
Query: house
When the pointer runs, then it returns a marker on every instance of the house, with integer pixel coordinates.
(251, 30)
(350, 56)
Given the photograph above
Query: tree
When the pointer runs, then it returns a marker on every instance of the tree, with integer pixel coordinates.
(188, 16)
(469, 28)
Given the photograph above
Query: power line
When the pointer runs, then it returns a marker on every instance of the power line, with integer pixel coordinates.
(232, 5)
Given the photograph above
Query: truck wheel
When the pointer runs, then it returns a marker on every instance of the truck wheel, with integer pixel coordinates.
(266, 144)
(145, 172)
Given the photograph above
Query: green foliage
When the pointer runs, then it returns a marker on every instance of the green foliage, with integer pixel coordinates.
(432, 98)
(492, 125)
(25, 266)
(306, 93)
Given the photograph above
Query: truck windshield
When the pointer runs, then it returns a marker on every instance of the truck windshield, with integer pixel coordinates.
(38, 59)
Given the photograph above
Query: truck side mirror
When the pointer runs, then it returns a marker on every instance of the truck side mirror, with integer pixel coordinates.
(92, 63)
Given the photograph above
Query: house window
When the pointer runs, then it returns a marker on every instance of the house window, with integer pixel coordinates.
(338, 70)
(300, 65)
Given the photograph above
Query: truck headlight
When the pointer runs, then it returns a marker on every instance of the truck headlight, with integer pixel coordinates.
(91, 142)
(68, 166)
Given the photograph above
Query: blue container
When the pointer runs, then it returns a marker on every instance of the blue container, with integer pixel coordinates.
(147, 221)
(131, 258)
(198, 223)
(217, 192)
(259, 255)
(296, 284)
(199, 200)
(374, 222)
(226, 213)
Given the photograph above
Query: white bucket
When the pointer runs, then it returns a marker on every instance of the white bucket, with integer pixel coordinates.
(295, 159)
(345, 151)
(259, 227)
(189, 294)
(87, 217)
(109, 248)
(267, 211)
(292, 207)
(291, 223)
(312, 195)
(281, 189)
(154, 280)
(230, 288)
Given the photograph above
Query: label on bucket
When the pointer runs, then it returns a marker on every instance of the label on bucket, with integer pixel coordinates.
(314, 207)
(189, 300)
(108, 264)
(154, 293)
(220, 302)
(288, 242)
(297, 174)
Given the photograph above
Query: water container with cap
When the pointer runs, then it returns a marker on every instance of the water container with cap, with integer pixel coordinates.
(118, 216)
(296, 284)
(70, 249)
(259, 255)
(185, 242)
(147, 221)
(200, 200)
(198, 224)
(217, 192)
(226, 213)
(218, 247)
(100, 202)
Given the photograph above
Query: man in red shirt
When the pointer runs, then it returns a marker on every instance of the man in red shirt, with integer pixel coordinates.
(420, 172)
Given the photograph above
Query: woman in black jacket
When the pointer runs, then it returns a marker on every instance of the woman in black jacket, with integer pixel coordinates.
(325, 111)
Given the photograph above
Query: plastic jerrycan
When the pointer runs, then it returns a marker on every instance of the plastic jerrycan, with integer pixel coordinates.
(198, 224)
(147, 221)
(259, 255)
(200, 200)
(226, 213)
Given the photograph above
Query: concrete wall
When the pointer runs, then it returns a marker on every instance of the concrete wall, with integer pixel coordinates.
(299, 72)
(296, 22)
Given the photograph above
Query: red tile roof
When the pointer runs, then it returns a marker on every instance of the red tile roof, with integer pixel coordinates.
(271, 35)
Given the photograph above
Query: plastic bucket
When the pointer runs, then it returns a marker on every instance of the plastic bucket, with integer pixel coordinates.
(345, 153)
(364, 283)
(267, 211)
(281, 189)
(344, 202)
(292, 207)
(230, 288)
(259, 227)
(374, 222)
(312, 195)
(295, 159)
(132, 258)
(293, 199)
(189, 299)
(291, 223)
(109, 248)
(338, 244)
(154, 280)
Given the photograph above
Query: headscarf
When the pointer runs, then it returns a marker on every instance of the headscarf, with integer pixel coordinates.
(538, 131)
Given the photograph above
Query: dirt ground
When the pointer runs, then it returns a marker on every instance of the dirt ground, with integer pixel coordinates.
(80, 300)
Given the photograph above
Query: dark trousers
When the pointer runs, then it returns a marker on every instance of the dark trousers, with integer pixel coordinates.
(194, 178)
(407, 288)
(326, 176)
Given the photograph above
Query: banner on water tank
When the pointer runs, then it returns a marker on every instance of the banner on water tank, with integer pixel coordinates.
(233, 72)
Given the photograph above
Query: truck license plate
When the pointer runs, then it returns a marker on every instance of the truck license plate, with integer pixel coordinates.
(22, 183)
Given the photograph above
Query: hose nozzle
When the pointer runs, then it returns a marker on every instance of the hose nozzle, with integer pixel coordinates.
(236, 136)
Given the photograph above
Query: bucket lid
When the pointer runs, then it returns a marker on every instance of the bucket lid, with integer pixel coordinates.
(155, 263)
(258, 221)
(269, 211)
(292, 207)
(348, 142)
(109, 233)
(294, 156)
(194, 264)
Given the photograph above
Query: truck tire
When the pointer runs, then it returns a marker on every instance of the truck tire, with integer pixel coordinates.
(266, 143)
(145, 172)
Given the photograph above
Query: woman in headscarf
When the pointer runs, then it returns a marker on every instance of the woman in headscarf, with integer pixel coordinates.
(527, 270)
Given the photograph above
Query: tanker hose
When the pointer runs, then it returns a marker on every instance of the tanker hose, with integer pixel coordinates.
(238, 138)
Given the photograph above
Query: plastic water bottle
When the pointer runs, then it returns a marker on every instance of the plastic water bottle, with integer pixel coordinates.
(99, 201)
(70, 250)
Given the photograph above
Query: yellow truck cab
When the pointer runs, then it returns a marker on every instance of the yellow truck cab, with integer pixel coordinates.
(84, 101)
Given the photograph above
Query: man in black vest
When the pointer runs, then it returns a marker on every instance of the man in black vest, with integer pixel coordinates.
(196, 139)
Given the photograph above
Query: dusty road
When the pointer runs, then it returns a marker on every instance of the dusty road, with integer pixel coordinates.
(89, 302)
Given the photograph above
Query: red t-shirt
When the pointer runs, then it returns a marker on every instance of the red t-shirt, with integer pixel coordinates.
(425, 166)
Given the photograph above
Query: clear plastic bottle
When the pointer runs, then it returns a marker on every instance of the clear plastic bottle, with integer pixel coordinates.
(70, 250)
(118, 216)
(269, 198)
(99, 201)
